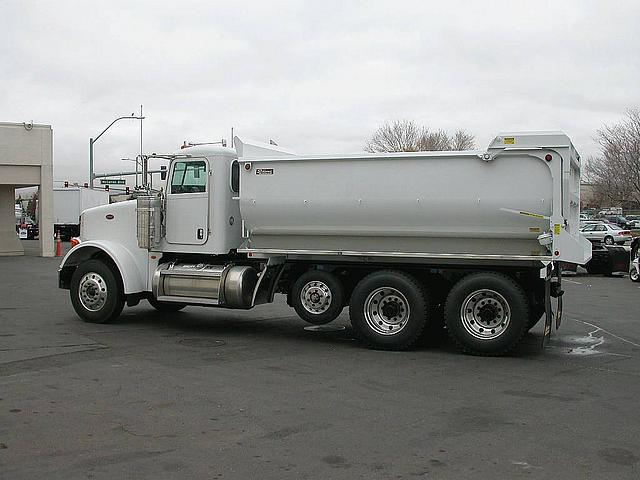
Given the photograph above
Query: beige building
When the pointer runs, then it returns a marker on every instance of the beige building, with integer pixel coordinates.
(26, 159)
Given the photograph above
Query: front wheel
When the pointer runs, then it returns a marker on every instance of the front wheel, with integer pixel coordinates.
(389, 310)
(317, 297)
(487, 313)
(96, 294)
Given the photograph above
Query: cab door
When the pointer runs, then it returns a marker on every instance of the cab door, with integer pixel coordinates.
(188, 191)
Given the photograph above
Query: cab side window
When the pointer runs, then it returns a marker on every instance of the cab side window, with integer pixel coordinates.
(189, 177)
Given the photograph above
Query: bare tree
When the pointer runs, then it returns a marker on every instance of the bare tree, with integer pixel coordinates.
(615, 173)
(398, 136)
(31, 206)
(406, 136)
(463, 140)
(434, 141)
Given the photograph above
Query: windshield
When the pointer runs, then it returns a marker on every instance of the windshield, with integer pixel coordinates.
(614, 227)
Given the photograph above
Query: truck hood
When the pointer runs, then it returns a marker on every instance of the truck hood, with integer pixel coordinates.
(109, 222)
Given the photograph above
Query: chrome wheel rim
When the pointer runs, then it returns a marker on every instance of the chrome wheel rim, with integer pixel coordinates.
(386, 311)
(316, 297)
(485, 314)
(634, 274)
(608, 241)
(92, 291)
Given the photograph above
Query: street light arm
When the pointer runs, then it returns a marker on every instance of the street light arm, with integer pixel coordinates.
(93, 140)
(109, 126)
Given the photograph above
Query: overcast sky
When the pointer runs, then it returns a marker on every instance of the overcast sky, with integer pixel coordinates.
(314, 76)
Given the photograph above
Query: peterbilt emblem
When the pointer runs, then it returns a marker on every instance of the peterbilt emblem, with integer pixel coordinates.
(264, 171)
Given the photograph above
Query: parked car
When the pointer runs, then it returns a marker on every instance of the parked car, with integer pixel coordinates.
(30, 226)
(634, 267)
(607, 233)
(635, 223)
(584, 223)
(607, 260)
(618, 220)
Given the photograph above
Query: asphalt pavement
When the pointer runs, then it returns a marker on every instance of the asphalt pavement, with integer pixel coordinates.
(217, 394)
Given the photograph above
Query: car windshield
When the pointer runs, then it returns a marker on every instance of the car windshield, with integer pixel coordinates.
(614, 227)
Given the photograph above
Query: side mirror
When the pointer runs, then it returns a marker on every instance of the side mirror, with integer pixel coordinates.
(163, 172)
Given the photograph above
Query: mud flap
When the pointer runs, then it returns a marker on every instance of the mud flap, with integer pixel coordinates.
(560, 294)
(548, 314)
(552, 288)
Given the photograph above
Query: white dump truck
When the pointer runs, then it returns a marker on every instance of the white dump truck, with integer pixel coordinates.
(69, 202)
(412, 243)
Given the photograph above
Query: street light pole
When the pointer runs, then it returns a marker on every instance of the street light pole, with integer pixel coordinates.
(94, 140)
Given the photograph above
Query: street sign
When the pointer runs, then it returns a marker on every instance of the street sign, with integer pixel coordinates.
(112, 181)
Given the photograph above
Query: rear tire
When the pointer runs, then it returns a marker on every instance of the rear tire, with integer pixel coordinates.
(388, 310)
(608, 240)
(96, 292)
(317, 297)
(166, 307)
(487, 313)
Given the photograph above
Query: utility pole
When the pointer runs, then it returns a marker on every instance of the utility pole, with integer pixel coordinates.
(141, 117)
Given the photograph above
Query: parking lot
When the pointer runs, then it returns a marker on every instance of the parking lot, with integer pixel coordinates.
(230, 394)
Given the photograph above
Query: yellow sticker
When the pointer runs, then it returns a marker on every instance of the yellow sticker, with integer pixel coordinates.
(556, 229)
(529, 214)
(509, 140)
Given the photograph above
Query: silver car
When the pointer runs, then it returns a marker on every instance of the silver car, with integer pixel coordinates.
(607, 233)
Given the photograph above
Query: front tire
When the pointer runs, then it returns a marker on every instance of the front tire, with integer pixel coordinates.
(487, 313)
(317, 297)
(388, 310)
(96, 292)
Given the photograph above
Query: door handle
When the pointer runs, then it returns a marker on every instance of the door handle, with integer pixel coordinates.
(200, 233)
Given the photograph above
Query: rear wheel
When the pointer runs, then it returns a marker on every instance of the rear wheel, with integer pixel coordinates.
(388, 310)
(166, 307)
(608, 240)
(317, 297)
(96, 293)
(487, 313)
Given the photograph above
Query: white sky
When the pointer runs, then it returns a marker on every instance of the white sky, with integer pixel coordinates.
(314, 76)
